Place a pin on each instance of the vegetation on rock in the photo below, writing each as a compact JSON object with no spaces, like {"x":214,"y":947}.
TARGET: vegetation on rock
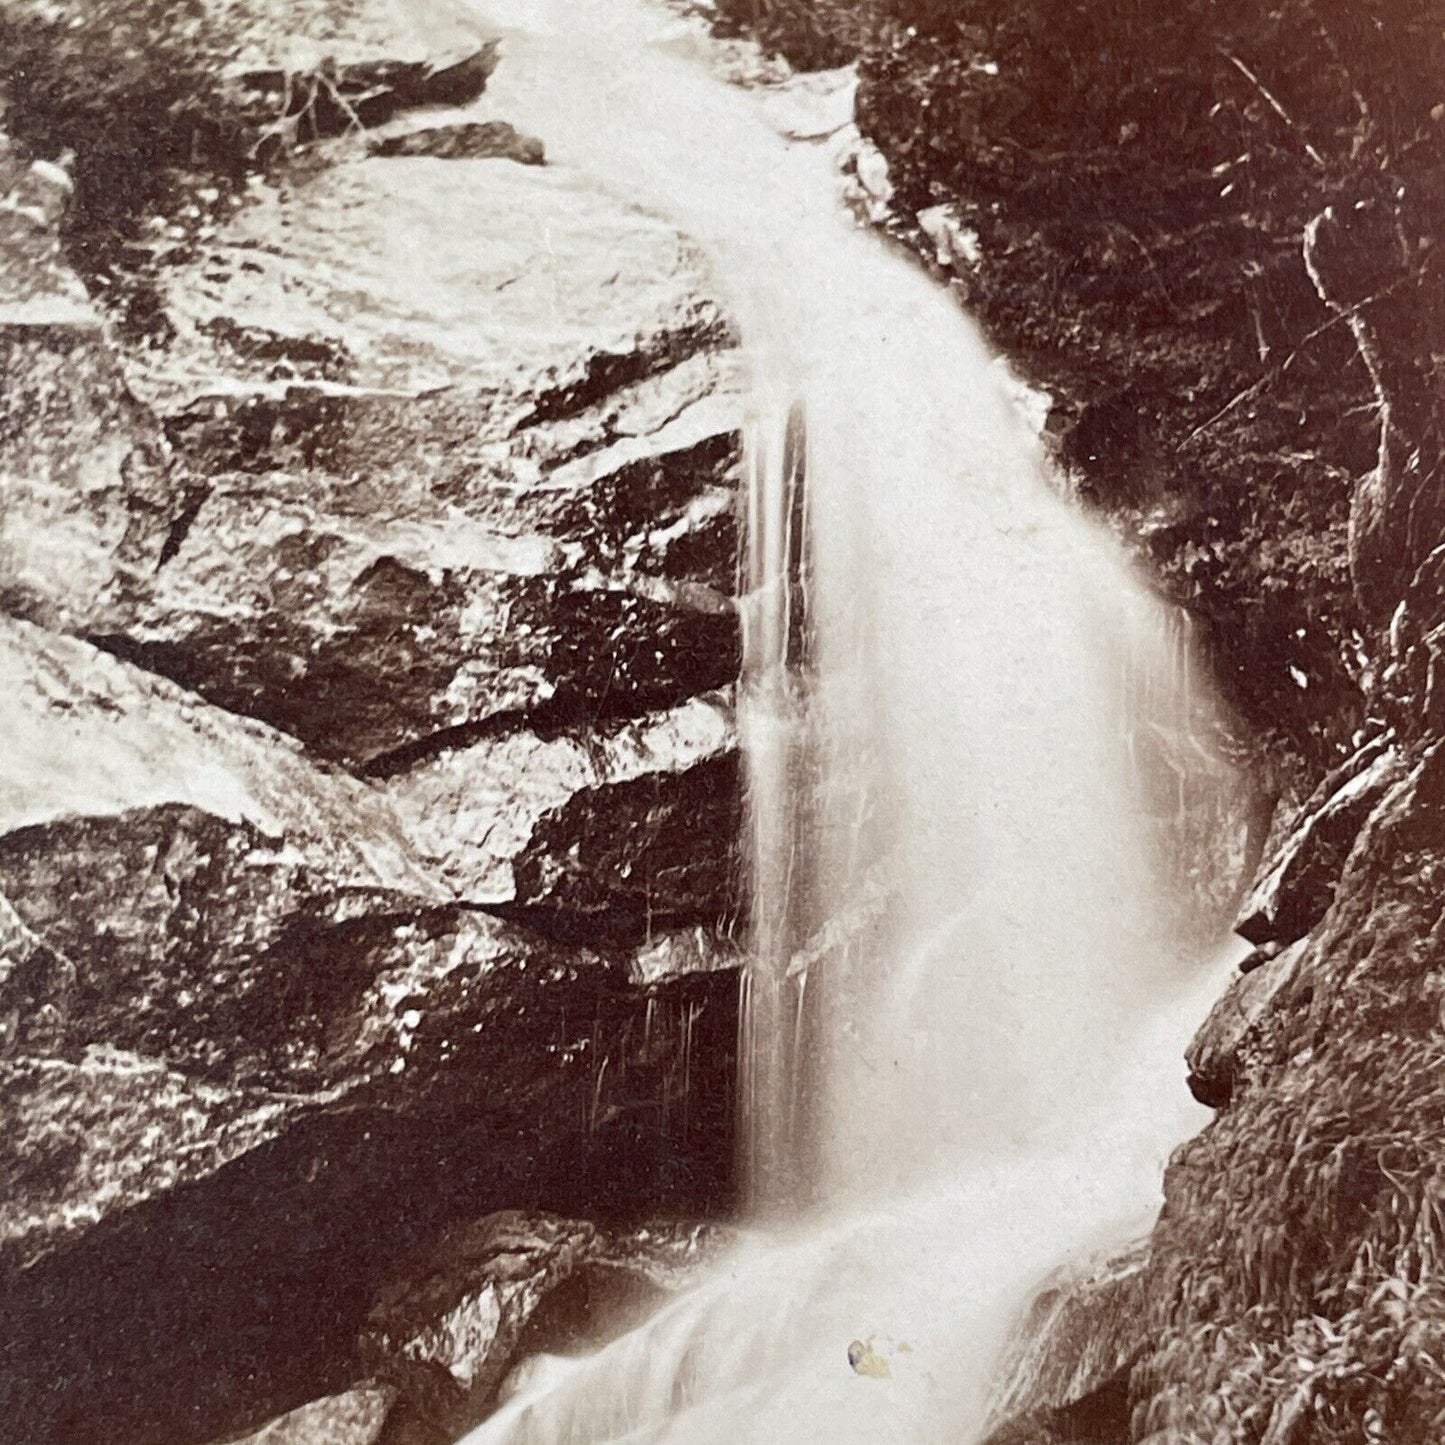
{"x":132,"y":92}
{"x":1148,"y":189}
{"x":1210,"y":228}
{"x":812,"y":34}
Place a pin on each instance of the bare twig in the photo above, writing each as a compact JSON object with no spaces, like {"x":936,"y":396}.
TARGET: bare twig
{"x":1341,"y":315}
{"x":355,"y":122}
{"x":1274,"y":105}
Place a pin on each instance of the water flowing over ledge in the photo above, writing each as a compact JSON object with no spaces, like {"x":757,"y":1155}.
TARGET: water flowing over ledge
{"x":964,"y":955}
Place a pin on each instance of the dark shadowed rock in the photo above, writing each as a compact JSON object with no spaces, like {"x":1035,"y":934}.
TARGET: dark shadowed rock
{"x":445,"y":1330}
{"x":200,"y":1252}
{"x":458,"y":80}
{"x":145,"y":893}
{"x":452,"y":1324}
{"x":1214,"y":1054}
{"x":1296,"y":885}
{"x":465,"y":141}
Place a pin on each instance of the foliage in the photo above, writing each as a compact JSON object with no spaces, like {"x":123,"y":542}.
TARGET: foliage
{"x":811,"y":34}
{"x":1140,"y":180}
{"x":1297,"y":1267}
{"x":133,"y":89}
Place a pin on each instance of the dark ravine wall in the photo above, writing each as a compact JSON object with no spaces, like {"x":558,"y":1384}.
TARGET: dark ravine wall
{"x":364,"y":673}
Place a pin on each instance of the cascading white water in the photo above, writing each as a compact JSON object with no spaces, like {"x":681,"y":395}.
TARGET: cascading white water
{"x":960,"y":1041}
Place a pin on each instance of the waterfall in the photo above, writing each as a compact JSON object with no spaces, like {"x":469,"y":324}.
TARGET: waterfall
{"x":965,"y":1008}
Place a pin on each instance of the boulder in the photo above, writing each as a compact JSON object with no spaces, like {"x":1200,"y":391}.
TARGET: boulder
{"x":453,"y":1323}
{"x":416,"y":272}
{"x":464,"y":141}
{"x":91,"y":738}
{"x":1297,"y":884}
{"x":374,"y":638}
{"x":1214,"y":1054}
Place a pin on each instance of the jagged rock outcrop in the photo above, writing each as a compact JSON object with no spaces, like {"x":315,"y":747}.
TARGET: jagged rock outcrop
{"x":363,"y":853}
{"x":356,"y":1417}
{"x":1296,"y":885}
{"x":596,"y":831}
{"x":450,"y":1326}
{"x":236,"y":997}
{"x":1216,"y":1053}
{"x":382,"y":535}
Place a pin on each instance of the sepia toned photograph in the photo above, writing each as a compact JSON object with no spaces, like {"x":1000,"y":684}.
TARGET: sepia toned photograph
{"x":722,"y":722}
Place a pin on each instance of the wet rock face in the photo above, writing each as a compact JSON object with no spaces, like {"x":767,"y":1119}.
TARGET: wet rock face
{"x":201,"y":1241}
{"x":365,"y":840}
{"x":450,"y":1327}
{"x":399,"y":516}
{"x":1065,"y":1379}
{"x":601,"y":833}
{"x":206,"y":914}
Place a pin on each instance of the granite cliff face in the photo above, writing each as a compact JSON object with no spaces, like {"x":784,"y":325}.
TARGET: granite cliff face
{"x":365,"y":839}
